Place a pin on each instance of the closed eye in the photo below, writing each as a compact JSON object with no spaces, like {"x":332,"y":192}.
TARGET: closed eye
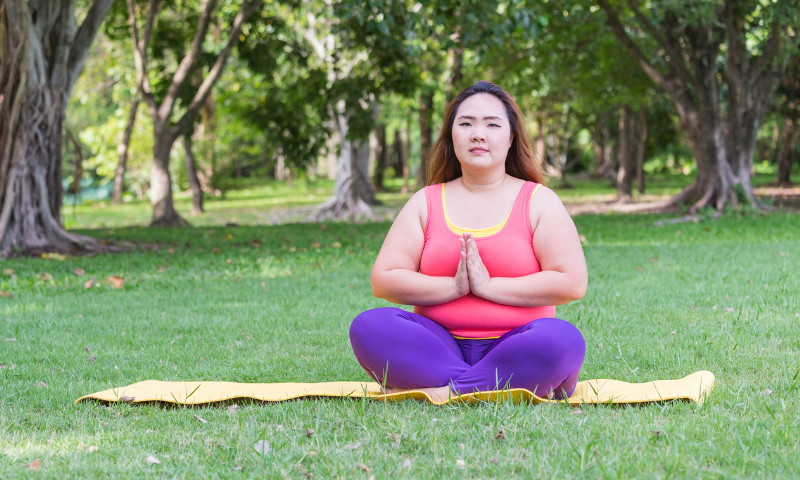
{"x":465,"y":124}
{"x":493,"y":125}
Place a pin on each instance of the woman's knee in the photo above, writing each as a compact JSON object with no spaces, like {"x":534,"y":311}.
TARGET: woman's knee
{"x":556,"y":336}
{"x":372,"y":322}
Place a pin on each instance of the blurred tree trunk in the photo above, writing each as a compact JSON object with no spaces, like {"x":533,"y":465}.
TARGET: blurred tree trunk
{"x":407,"y":154}
{"x":191,"y":172}
{"x":42,"y":52}
{"x":165,"y":132}
{"x":352,"y":194}
{"x":539,"y":148}
{"x":122,"y":155}
{"x":786,"y":152}
{"x":641,"y":149}
{"x":207,"y":133}
{"x":425,"y":134}
{"x":455,"y":61}
{"x":381,"y":158}
{"x":625,"y":168}
{"x":75,"y":187}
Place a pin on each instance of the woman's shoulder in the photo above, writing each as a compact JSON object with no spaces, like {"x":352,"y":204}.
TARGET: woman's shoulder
{"x":544,"y":201}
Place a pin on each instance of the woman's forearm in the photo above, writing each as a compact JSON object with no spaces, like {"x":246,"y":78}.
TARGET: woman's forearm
{"x":406,"y":287}
{"x":535,"y":290}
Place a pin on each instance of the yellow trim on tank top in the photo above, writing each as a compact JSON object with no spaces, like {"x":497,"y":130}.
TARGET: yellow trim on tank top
{"x":474,"y":338}
{"x":477,"y":232}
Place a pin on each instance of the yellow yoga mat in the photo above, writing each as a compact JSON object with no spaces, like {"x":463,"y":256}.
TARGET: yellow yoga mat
{"x":695,"y":387}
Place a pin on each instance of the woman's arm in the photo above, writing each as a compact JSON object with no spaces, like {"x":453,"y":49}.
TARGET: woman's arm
{"x":395,"y":274}
{"x":563,"y":278}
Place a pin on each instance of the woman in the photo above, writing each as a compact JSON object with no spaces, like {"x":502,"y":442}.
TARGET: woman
{"x":484,"y":253}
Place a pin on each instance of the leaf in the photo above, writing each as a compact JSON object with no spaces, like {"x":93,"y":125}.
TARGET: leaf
{"x":363,"y":467}
{"x":5,"y":294}
{"x":35,"y":465}
{"x":262,"y":447}
{"x":309,"y":433}
{"x":79,"y":272}
{"x":576,"y":411}
{"x":54,"y":256}
{"x":229,"y":261}
{"x":406,"y":463}
{"x":199,"y":419}
{"x":88,"y":284}
{"x":639,"y":268}
{"x":238,"y":343}
{"x":582,"y":239}
{"x":232,"y":409}
{"x":729,"y":309}
{"x":336,"y":245}
{"x":316,"y":245}
{"x":8,"y":271}
{"x":765,"y":392}
{"x":461,"y":463}
{"x":237,"y":280}
{"x":91,"y":359}
{"x":93,"y":448}
{"x":501,"y":435}
{"x":128,"y":399}
{"x":42,"y":385}
{"x":45,"y":276}
{"x":494,"y":460}
{"x":151,"y":460}
{"x":116,"y":282}
{"x":654,"y":259}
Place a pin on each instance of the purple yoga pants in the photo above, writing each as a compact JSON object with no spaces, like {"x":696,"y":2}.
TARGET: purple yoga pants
{"x":412,"y":351}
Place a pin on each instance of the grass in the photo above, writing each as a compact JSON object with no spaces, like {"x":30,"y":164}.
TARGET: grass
{"x":657,"y":307}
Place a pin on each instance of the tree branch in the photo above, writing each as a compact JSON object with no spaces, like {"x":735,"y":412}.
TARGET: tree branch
{"x":675,"y":57}
{"x":189,"y":61}
{"x":768,"y":55}
{"x":247,"y":9}
{"x":84,"y":38}
{"x":622,"y":35}
{"x":140,"y":52}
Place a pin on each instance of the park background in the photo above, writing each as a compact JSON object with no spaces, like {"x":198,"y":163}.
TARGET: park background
{"x":279,"y":140}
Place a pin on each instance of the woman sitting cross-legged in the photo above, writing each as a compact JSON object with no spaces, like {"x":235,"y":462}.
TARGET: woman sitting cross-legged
{"x":484,"y":252}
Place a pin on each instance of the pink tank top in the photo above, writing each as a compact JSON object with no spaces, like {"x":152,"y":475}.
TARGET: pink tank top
{"x":507,"y":253}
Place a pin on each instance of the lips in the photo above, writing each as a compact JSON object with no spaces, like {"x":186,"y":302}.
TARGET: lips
{"x":478,"y":150}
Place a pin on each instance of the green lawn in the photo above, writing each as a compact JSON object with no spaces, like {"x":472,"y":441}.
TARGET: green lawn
{"x":658,"y":306}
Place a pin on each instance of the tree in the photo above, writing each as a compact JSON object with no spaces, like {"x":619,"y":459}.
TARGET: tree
{"x":790,"y":110}
{"x":42,"y":52}
{"x":165,"y":132}
{"x":677,"y":45}
{"x":122,"y":153}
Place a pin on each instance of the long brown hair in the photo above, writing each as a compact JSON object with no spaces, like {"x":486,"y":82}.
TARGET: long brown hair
{"x":443,"y":165}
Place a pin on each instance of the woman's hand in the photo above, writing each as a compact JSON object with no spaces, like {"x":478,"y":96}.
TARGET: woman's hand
{"x":461,"y":280}
{"x":476,"y":271}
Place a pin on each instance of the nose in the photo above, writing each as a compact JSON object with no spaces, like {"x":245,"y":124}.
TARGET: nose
{"x":478,"y":135}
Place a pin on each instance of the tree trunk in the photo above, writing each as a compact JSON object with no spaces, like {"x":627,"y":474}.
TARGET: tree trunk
{"x":786,"y":152}
{"x":625,"y":168}
{"x":381,"y":158}
{"x":164,"y":213}
{"x":539,"y":150}
{"x":352,"y":195}
{"x":455,"y":61}
{"x":191,"y":172}
{"x":407,"y":155}
{"x":42,"y":52}
{"x":640,"y":152}
{"x":122,"y":154}
{"x":425,"y":135}
{"x":75,"y":188}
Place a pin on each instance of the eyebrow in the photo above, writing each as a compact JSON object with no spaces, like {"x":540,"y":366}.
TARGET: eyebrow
{"x":465,"y":117}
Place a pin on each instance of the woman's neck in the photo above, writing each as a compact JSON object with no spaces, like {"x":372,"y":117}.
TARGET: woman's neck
{"x":483,"y":182}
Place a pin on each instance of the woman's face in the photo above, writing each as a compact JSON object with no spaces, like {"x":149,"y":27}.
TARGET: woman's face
{"x":481,"y":132}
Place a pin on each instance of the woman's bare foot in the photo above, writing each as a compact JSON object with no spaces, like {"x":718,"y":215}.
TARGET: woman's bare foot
{"x":437,"y":394}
